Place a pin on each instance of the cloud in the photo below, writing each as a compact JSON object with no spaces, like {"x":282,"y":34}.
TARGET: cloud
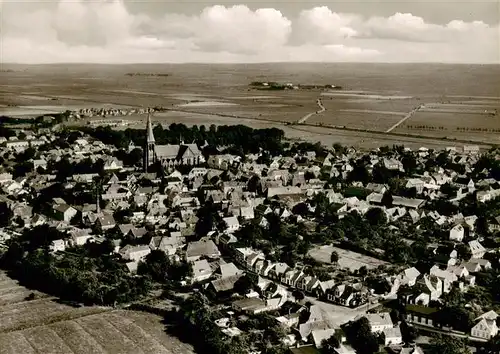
{"x":107,"y":31}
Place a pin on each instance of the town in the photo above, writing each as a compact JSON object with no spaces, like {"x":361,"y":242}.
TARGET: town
{"x":252,"y":243}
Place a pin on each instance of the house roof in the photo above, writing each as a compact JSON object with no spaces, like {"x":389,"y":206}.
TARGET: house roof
{"x":490,"y":315}
{"x":229,"y":269}
{"x":201,"y":267}
{"x":63,"y":208}
{"x":203,"y":247}
{"x":106,"y":219}
{"x":225,"y":284}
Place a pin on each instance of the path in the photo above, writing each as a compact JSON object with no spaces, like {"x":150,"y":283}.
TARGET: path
{"x":408,"y":116}
{"x":309,"y":115}
{"x":447,"y":333}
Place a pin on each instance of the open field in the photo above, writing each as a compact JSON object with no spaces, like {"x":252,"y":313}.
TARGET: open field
{"x":347,"y":259}
{"x":46,"y":326}
{"x":374,"y":96}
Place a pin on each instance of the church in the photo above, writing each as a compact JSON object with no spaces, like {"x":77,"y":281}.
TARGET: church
{"x":169,"y":155}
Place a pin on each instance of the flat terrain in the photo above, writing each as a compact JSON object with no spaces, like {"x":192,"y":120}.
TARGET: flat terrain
{"x":460,"y":101}
{"x":347,"y":259}
{"x":45,"y":326}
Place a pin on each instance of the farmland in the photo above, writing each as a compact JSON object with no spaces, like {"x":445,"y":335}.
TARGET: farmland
{"x":43,"y":325}
{"x":374,"y":98}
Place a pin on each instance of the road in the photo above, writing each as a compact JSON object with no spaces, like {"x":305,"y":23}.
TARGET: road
{"x":307,"y":116}
{"x":408,"y":116}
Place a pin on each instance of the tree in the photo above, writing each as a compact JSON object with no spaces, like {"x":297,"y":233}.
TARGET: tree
{"x":376,"y":216}
{"x":244,"y":285}
{"x":441,"y":344}
{"x":329,"y":346}
{"x":5,"y":214}
{"x":156,"y":265}
{"x":334,"y":257}
{"x":387,"y":199}
{"x":408,"y":333}
{"x":298,"y":295}
{"x":360,"y":336}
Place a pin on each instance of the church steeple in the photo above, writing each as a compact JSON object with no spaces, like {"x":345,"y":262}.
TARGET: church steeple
{"x":149,"y":149}
{"x":149,"y":127}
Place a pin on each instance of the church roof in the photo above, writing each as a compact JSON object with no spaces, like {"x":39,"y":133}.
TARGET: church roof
{"x":149,"y":128}
{"x":167,"y":151}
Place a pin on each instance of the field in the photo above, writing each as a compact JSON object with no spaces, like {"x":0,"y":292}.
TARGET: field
{"x":374,"y":98}
{"x":347,"y":259}
{"x":46,"y":326}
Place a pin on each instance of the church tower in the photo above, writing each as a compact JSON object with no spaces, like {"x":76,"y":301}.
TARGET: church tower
{"x":149,"y":149}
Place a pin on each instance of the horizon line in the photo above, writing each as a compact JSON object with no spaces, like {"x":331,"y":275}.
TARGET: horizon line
{"x":256,"y":63}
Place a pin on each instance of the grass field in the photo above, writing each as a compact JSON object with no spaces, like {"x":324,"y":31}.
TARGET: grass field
{"x":347,"y":259}
{"x":45,"y":326}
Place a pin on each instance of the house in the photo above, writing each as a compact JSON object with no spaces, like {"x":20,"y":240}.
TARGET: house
{"x":64,"y":212}
{"x":416,"y":183}
{"x":409,"y":276}
{"x":105,"y":221}
{"x":392,"y":336}
{"x":486,"y":326}
{"x":112,"y":164}
{"x":393,"y":164}
{"x":247,"y":213}
{"x":413,"y":350}
{"x":202,"y":248}
{"x":421,"y":315}
{"x":80,"y":237}
{"x":134,"y":253}
{"x":232,"y":223}
{"x":167,"y":244}
{"x":224,"y":285}
{"x":344,"y":349}
{"x":494,"y":225}
{"x":201,"y":271}
{"x":477,"y":250}
{"x":249,"y":305}
{"x":57,"y":245}
{"x":457,"y":233}
{"x":378,"y":321}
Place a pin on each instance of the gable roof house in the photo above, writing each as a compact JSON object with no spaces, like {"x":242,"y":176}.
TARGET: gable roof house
{"x":457,"y":233}
{"x":486,"y":326}
{"x":201,"y":271}
{"x":202,"y":248}
{"x":477,"y":249}
{"x":105,"y":221}
{"x":135,"y":253}
{"x":64,"y":212}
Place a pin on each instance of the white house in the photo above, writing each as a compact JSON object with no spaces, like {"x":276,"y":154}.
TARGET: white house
{"x":57,"y":245}
{"x":486,"y":327}
{"x":379,"y":321}
{"x":232,"y":223}
{"x":457,"y":233}
{"x":476,"y":249}
{"x":393,"y":336}
{"x":201,"y":270}
{"x":135,"y":253}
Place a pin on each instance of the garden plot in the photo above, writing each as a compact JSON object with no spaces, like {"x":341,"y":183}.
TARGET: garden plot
{"x":347,"y":259}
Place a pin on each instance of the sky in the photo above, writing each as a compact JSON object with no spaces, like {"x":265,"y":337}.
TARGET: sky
{"x":170,"y":31}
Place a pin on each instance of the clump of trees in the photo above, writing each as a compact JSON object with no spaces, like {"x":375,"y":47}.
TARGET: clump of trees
{"x":79,"y":274}
{"x":245,"y":139}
